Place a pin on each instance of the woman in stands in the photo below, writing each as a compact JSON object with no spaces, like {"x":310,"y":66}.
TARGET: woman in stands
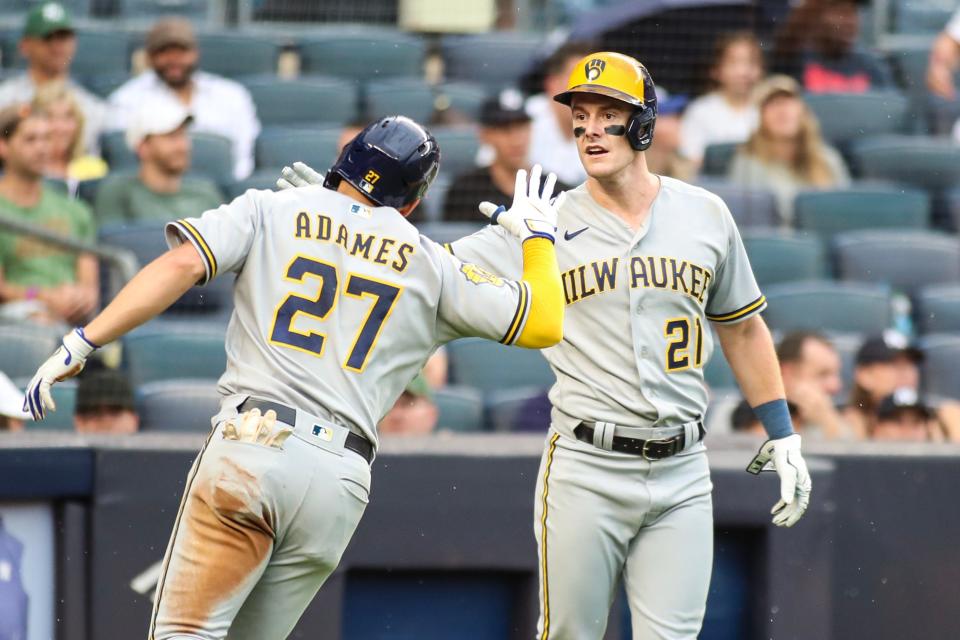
{"x":726,"y":114}
{"x":786,"y":154}
{"x":69,"y":160}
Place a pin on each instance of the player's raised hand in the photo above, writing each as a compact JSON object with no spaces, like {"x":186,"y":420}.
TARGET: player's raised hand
{"x":66,"y":362}
{"x":533,"y":213}
{"x":299,"y":175}
{"x":795,"y":483}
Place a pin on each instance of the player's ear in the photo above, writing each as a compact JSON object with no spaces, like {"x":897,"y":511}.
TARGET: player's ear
{"x":406,"y":210}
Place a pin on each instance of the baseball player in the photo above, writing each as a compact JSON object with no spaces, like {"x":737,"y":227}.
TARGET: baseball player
{"x":648,"y":265}
{"x":339,"y":302}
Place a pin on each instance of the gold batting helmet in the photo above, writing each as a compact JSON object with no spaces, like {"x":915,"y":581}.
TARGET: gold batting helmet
{"x":622,"y":78}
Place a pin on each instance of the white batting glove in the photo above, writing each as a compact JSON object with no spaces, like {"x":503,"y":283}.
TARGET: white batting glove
{"x":783,"y":455}
{"x":300,"y":175}
{"x":533,"y":214}
{"x":66,"y":362}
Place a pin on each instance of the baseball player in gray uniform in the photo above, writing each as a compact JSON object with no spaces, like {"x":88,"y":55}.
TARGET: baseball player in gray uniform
{"x":339,"y":302}
{"x":649,"y":264}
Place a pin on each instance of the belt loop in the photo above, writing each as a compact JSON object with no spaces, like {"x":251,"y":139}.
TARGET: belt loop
{"x":691,"y":434}
{"x":603,"y":435}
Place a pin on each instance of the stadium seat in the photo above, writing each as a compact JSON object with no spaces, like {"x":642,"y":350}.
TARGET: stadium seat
{"x":921,"y":18}
{"x":904,"y":260}
{"x":750,"y":207}
{"x":937,"y":309}
{"x":184,"y":405}
{"x":717,"y":159}
{"x":432,"y":204}
{"x":196,"y":10}
{"x":146,"y":240}
{"x":458,"y":148}
{"x":65,"y":397}
{"x":847,"y":345}
{"x":939,"y":372}
{"x":103,"y":84}
{"x":279,"y":146}
{"x":464,"y":97}
{"x":870,"y":207}
{"x":448,"y":231}
{"x":101,"y":52}
{"x":411,"y":97}
{"x":24,"y":347}
{"x":460,"y":408}
{"x":361,"y":53}
{"x":952,"y":202}
{"x":719,"y":417}
{"x":266,"y":179}
{"x":306,"y":102}
{"x":845,"y":116}
{"x":197,"y":352}
{"x":782,"y":256}
{"x":496,"y":59}
{"x":927,"y":163}
{"x":717,"y":373}
{"x":522,"y":409}
{"x":825,"y":305}
{"x":489,"y":366}
{"x":233,"y":55}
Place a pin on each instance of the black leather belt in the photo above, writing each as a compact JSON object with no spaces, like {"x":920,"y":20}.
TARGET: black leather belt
{"x":355,"y":442}
{"x":649,"y":449}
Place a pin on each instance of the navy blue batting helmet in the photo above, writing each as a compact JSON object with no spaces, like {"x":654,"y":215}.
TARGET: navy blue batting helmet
{"x":393,"y":162}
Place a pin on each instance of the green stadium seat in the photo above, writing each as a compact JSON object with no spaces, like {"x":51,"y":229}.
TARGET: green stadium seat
{"x":266,"y":179}
{"x":196,"y":351}
{"x":927,"y":163}
{"x":196,"y":10}
{"x":281,"y":146}
{"x":24,"y":347}
{"x":921,"y":18}
{"x":460,"y":408}
{"x":717,"y":372}
{"x":432,"y":205}
{"x":870,"y":207}
{"x":783,"y":256}
{"x":458,"y":148}
{"x":307,"y":102}
{"x":65,"y":397}
{"x":937,"y":309}
{"x":411,"y":97}
{"x":103,"y":84}
{"x":904,"y":260}
{"x":181,"y":405}
{"x":717,"y":159}
{"x":362,"y":53}
{"x":496,"y":59}
{"x":939,"y":371}
{"x":490,"y":366}
{"x":847,"y":307}
{"x":509,"y":408}
{"x":464,"y":97}
{"x":952,"y":203}
{"x":846,"y":116}
{"x":234,"y":55}
{"x":750,"y":207}
{"x":101,"y":52}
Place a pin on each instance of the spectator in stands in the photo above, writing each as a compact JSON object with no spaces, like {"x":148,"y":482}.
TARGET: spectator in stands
{"x":49,"y":43}
{"x":39,"y":281}
{"x":903,"y":416}
{"x":504,"y":127}
{"x":818,"y":46}
{"x":552,"y":144}
{"x":945,"y":60}
{"x":744,"y":420}
{"x":159,"y":191}
{"x":105,"y":403}
{"x":69,"y":159}
{"x":727,"y":113}
{"x":810,"y":366}
{"x":219,"y":105}
{"x":12,"y":415}
{"x":663,"y":156}
{"x":414,"y":412}
{"x":786,"y":153}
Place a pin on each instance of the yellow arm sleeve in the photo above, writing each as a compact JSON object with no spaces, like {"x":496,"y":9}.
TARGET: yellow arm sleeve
{"x":544,"y":326}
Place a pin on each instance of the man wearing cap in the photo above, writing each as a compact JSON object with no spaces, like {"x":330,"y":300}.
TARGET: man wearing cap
{"x":218,"y":105}
{"x":414,"y":412}
{"x":49,"y":43}
{"x":505,"y":128}
{"x":159,"y":192}
{"x":105,"y":403}
{"x":903,"y":416}
{"x":38,"y":281}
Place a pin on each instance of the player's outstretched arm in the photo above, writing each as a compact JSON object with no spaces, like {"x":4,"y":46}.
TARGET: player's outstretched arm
{"x":149,"y":293}
{"x":749,"y":349}
{"x":532,"y":218}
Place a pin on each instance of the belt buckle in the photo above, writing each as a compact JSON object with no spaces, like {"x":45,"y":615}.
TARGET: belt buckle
{"x":645,"y":452}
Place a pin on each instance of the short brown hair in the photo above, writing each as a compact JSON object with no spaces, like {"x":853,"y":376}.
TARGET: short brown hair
{"x":557,"y":60}
{"x":790,"y":348}
{"x":11,"y":117}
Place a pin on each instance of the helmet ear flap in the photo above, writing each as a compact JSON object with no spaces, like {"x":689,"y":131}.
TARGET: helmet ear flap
{"x":640,"y":128}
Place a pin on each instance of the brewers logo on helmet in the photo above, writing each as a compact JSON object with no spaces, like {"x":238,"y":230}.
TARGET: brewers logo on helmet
{"x":622,"y":78}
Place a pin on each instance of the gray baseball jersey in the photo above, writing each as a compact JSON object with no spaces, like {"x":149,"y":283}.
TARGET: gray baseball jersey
{"x":338,"y":305}
{"x":684,"y":266}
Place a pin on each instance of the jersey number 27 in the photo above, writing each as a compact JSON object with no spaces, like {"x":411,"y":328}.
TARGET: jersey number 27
{"x":284,"y":334}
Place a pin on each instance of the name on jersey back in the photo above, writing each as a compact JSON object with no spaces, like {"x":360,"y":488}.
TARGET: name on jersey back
{"x":381,"y":250}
